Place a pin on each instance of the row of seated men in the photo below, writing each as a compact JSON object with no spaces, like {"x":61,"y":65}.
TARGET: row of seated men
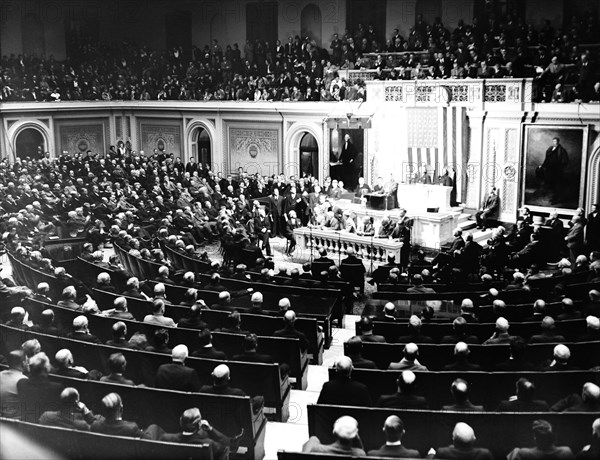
{"x":464,"y":443}
{"x":344,"y":391}
{"x":26,"y":383}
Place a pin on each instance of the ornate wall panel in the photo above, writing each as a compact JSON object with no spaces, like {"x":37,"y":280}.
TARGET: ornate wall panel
{"x":254,"y":149}
{"x":510,"y":175}
{"x":161,"y":135}
{"x":80,"y":136}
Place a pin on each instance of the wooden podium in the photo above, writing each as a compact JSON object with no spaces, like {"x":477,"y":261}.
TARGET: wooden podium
{"x":418,"y":198}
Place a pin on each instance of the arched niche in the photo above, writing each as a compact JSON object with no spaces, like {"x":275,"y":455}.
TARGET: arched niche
{"x":15,"y":133}
{"x":593,"y":175}
{"x":199,"y":134}
{"x":292,"y":145}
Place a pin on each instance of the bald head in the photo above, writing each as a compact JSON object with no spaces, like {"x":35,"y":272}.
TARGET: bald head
{"x":284,"y":304}
{"x":591,"y":393}
{"x":501,"y":324}
{"x":411,"y":351}
{"x":461,"y":349}
{"x":290,"y":316}
{"x":389,"y":309}
{"x":345,"y":428}
{"x":393,"y":428}
{"x":463,"y":435}
{"x":343,"y":366}
{"x":179,"y":353}
{"x":221,"y":374}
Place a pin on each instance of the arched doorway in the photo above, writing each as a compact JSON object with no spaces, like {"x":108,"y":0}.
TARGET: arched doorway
{"x":30,"y":143}
{"x":309,"y":155}
{"x":201,"y":146}
{"x":310,"y":23}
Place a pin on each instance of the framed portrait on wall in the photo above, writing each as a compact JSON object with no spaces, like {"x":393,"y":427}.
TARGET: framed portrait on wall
{"x":554,"y":163}
{"x":346,"y":145}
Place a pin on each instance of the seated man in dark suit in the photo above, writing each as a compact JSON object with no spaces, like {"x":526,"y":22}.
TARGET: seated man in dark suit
{"x":120,"y":310}
{"x":220,"y":386}
{"x":568,"y":310}
{"x":81,"y":331}
{"x":234,"y":324}
{"x":389,"y":313}
{"x":548,"y":334}
{"x":415,"y":336}
{"x":501,"y":333}
{"x":409,"y":360}
{"x":460,"y":333}
{"x":516,"y":362}
{"x":418,"y":287}
{"x":205,"y":347}
{"x":290,"y":330}
{"x":345,"y":430}
{"x":119,"y":330}
{"x":194,"y":318}
{"x":460,"y":393}
{"x":544,"y":445}
{"x":354,"y":350}
{"x":112,"y":423}
{"x":133,"y":289}
{"x":393,"y":430}
{"x":64,"y":365}
{"x":36,"y":393}
{"x":71,"y":414}
{"x":560,"y":360}
{"x":592,"y":330}
{"x":195,"y":430}
{"x":46,"y":324}
{"x":175,"y":375}
{"x":523,"y":401}
{"x":366,"y":329}
{"x":461,"y":359}
{"x":117,"y":365}
{"x":405,"y":397}
{"x":463,"y":446}
{"x":589,"y":401}
{"x":322,"y":261}
{"x":250,"y":354}
{"x":343,"y":390}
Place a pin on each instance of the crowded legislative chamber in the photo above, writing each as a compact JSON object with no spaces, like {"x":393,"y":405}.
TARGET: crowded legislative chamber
{"x":256,"y":229}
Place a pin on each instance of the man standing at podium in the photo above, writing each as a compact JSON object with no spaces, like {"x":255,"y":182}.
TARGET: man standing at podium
{"x":348,"y":157}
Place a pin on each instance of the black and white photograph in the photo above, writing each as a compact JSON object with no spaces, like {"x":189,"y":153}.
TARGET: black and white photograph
{"x":299,"y":229}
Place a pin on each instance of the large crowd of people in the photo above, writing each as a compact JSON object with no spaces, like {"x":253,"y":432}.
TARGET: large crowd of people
{"x":564,"y":67}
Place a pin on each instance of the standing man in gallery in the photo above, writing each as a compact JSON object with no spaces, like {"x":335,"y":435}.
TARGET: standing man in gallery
{"x":554,"y":166}
{"x":348,"y":159}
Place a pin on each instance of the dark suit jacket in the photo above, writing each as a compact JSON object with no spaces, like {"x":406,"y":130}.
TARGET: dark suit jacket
{"x":358,"y":362}
{"x":471,"y":453}
{"x":293,"y":333}
{"x":462,"y":366}
{"x":345,"y":392}
{"x":523,"y":406}
{"x":37,"y":396}
{"x":467,"y":406}
{"x":176,"y":376}
{"x":459,"y":338}
{"x":209,"y":353}
{"x":116,"y":428}
{"x":575,"y":236}
{"x":253,"y":357}
{"x":372,"y":338}
{"x":222,"y":390}
{"x":402,"y":401}
{"x":394,"y":451}
{"x":83,"y":337}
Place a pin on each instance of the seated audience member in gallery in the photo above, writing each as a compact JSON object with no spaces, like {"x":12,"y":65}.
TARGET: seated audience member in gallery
{"x":415,"y":335}
{"x":176,"y":375}
{"x":463,"y":446}
{"x":354,"y":352}
{"x":460,"y":393}
{"x":592,"y":330}
{"x":289,"y":329}
{"x":342,"y":390}
{"x":561,"y":360}
{"x":205,"y":347}
{"x":65,"y":366}
{"x":112,"y":422}
{"x":516,"y":361}
{"x":461,"y":359}
{"x":120,"y":310}
{"x":194,"y":318}
{"x":393,"y":430}
{"x":117,"y":364}
{"x":345,"y":431}
{"x":459,"y":325}
{"x":366,"y":329}
{"x":250,"y":354}
{"x":195,"y":430}
{"x":543,"y":436}
{"x":548,"y":333}
{"x":81,"y":331}
{"x":9,"y":397}
{"x":161,"y":342}
{"x":592,"y":450}
{"x":588,"y":401}
{"x":405,"y":397}
{"x":523,"y":401}
{"x":157,"y":317}
{"x":501,"y":334}
{"x":221,"y":377}
{"x":72,"y":413}
{"x":409,"y":360}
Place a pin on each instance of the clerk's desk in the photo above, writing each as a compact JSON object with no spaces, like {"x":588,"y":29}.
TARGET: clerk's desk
{"x":417,"y":198}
